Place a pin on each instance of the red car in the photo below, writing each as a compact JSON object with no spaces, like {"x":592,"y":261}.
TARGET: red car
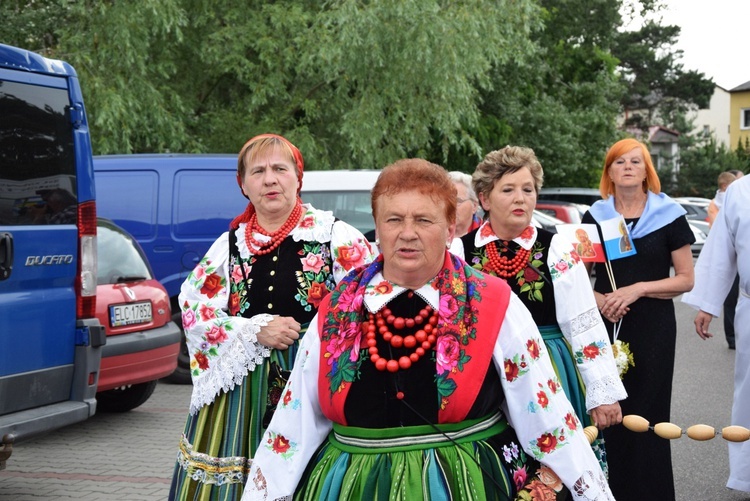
{"x":142,"y":341}
{"x":564,"y":211}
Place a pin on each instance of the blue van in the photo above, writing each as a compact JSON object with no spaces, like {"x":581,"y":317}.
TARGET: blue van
{"x":176,"y":205}
{"x":50,"y":340}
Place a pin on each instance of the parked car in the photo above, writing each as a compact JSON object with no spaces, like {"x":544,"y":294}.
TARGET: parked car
{"x":567,"y":212}
{"x":697,"y":208}
{"x":585,"y":196}
{"x":700,"y":232}
{"x":542,"y":220}
{"x":142,"y":341}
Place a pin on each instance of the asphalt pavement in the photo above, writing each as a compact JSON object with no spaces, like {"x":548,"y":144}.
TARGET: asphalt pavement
{"x":130,"y":456}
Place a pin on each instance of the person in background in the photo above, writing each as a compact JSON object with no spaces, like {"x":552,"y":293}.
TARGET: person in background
{"x":466,"y":210}
{"x":548,"y":276}
{"x":408,"y":378}
{"x":724,"y":180}
{"x":640,"y":464}
{"x":730,"y":303}
{"x":245,"y":307}
{"x":727,"y":251}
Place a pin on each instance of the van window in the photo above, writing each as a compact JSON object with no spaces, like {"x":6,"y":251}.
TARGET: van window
{"x":197,"y":214}
{"x":37,"y":160}
{"x":141,"y":188}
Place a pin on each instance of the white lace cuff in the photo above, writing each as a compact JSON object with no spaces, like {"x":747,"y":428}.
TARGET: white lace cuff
{"x":604,"y":391}
{"x":592,"y":486}
{"x":243,"y":354}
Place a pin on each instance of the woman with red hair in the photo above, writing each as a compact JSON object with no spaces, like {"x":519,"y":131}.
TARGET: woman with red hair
{"x":245,"y":307}
{"x":640,"y":301}
{"x":411,"y":373}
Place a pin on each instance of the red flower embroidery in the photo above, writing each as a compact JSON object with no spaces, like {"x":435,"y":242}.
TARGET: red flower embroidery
{"x":542,"y":399}
{"x":533,"y":348}
{"x":526,"y":234}
{"x":202,"y":360}
{"x":486,"y":231}
{"x":511,"y":370}
{"x":287,"y":397}
{"x":546,"y":443}
{"x":351,"y":256}
{"x":316,"y":293}
{"x":212,"y":285}
{"x":531,"y":275}
{"x":383,"y":287}
{"x":571,"y":421}
{"x":234,"y":304}
{"x":280,"y":444}
{"x":591,"y":351}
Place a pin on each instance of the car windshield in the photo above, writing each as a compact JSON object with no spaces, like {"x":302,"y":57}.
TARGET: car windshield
{"x":119,"y":257}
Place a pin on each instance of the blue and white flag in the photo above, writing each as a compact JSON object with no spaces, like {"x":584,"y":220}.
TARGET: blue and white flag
{"x":617,"y":240}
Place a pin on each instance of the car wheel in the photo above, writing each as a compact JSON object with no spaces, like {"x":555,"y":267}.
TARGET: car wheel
{"x":181,"y":374}
{"x":125,"y":398}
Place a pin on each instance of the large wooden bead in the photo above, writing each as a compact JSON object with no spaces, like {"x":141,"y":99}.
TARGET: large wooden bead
{"x":667,"y":430}
{"x":591,"y":433}
{"x":701,"y":432}
{"x":634,"y":422}
{"x":735,"y":433}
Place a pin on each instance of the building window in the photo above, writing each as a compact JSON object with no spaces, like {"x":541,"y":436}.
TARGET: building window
{"x":745,"y":118}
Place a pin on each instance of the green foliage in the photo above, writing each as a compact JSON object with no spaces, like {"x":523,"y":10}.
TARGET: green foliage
{"x":700,"y":167}
{"x":359,"y":84}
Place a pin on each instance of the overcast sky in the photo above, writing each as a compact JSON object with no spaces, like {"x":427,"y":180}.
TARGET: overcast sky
{"x":714,"y":37}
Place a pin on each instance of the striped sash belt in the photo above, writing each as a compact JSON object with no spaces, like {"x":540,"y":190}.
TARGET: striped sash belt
{"x":550,"y":332}
{"x":406,"y":438}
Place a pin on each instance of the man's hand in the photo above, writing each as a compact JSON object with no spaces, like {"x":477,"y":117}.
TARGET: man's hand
{"x":702,"y":321}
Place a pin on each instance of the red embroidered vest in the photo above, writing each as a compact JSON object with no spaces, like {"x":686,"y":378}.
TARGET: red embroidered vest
{"x":491,"y":307}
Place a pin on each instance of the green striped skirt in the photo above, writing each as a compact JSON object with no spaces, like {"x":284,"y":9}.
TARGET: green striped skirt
{"x":481,"y":461}
{"x":219,"y":441}
{"x":565,"y":369}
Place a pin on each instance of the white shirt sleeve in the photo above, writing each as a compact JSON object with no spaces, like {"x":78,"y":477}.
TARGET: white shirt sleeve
{"x":537,"y":408}
{"x":581,"y":324}
{"x":296,"y":431}
{"x":223,"y":347}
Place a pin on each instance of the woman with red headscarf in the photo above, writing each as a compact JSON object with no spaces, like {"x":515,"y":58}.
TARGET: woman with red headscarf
{"x":245,"y":308}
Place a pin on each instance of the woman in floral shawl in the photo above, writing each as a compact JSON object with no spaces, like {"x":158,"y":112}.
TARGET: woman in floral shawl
{"x":409,"y":375}
{"x":546,"y":273}
{"x":245,"y":307}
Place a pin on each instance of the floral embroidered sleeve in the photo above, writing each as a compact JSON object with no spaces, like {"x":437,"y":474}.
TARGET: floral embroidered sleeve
{"x":222,"y":348}
{"x":283,"y":454}
{"x":349,"y":249}
{"x":582,"y":326}
{"x":537,"y":408}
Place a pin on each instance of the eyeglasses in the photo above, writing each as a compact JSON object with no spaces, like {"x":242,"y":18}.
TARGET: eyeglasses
{"x":462,"y":200}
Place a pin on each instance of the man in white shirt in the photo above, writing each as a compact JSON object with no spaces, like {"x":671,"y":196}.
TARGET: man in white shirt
{"x":727,"y":251}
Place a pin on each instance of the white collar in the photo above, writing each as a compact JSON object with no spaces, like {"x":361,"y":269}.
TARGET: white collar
{"x":380,"y":292}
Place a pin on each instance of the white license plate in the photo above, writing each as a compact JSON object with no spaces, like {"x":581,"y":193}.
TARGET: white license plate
{"x":129,"y":314}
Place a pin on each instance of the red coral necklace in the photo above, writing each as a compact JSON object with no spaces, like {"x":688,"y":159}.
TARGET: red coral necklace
{"x":260,"y":248}
{"x":501,"y":265}
{"x":422,"y":340}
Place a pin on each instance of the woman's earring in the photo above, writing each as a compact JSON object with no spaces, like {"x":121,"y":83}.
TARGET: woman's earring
{"x":377,"y":242}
